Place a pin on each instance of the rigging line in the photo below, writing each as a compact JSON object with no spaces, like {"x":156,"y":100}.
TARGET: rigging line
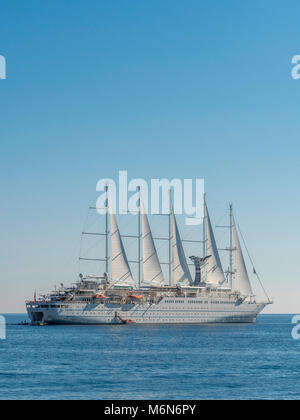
{"x":130,"y":244}
{"x":160,"y":246}
{"x":81,"y":239}
{"x":220,"y":220}
{"x":91,"y":224}
{"x":187,"y":232}
{"x":80,"y":251}
{"x":221,"y":237}
{"x":157,"y":226}
{"x":91,"y":247}
{"x":130,"y":222}
{"x":258,"y":277}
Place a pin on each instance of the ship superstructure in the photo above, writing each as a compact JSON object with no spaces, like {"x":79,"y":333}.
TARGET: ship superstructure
{"x":116,"y":297}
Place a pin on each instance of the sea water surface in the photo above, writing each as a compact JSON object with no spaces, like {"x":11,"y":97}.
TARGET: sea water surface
{"x":250,"y":361}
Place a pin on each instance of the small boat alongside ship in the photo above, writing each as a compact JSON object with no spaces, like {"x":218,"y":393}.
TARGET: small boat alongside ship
{"x":23,"y":324}
{"x":212,"y":296}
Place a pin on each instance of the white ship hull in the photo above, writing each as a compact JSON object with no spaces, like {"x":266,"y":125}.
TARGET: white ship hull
{"x":168,"y":311}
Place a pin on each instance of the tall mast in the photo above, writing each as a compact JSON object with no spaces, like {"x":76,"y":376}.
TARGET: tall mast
{"x":106,"y":232}
{"x":139,"y":238}
{"x":204,"y":229}
{"x":231,"y":247}
{"x":203,"y":274}
{"x":170,"y":240}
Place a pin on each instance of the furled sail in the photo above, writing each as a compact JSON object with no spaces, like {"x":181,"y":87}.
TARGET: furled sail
{"x":152,"y":272}
{"x":214,"y":270}
{"x":121,"y":272}
{"x":242,"y":281}
{"x":181,"y":272}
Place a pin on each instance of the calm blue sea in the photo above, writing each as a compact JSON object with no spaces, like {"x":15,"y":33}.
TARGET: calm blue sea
{"x":259,"y":361}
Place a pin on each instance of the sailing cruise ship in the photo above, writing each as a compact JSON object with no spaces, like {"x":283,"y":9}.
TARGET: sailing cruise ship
{"x":212,"y":296}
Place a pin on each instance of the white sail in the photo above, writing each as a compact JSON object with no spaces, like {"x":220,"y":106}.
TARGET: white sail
{"x":181,"y":272}
{"x":121,"y":272}
{"x":152,"y":272}
{"x":242,"y":281}
{"x":214,"y":270}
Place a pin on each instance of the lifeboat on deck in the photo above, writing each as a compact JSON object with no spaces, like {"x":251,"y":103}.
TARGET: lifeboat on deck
{"x":99,"y":297}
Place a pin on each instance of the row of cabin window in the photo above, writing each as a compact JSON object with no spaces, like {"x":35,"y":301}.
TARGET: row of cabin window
{"x":200,"y":302}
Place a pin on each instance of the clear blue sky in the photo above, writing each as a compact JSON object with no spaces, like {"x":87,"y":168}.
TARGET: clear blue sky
{"x":162,"y":89}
